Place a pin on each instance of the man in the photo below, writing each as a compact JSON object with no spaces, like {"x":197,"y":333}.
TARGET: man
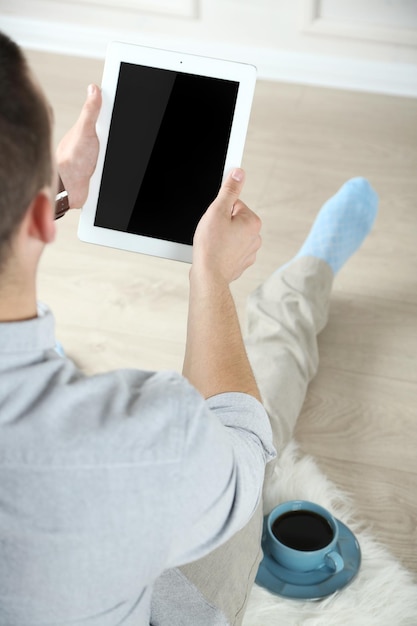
{"x":134,"y":497}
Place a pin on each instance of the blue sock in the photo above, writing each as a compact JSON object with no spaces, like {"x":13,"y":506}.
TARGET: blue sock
{"x":342,"y":224}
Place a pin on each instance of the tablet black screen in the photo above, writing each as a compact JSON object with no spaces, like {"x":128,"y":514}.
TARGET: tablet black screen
{"x":166,"y":151}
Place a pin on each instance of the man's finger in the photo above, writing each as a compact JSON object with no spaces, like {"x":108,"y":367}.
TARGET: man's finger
{"x":232,"y":187}
{"x":91,"y":108}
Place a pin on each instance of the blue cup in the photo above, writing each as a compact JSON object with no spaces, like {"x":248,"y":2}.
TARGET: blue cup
{"x":302,"y":536}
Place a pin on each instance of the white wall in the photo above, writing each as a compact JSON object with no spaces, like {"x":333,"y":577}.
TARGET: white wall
{"x":357,"y":44}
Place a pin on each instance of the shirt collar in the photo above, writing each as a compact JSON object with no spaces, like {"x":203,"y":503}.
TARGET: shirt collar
{"x":32,"y":335}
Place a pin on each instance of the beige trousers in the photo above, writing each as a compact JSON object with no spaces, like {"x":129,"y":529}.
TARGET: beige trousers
{"x":285,"y":315}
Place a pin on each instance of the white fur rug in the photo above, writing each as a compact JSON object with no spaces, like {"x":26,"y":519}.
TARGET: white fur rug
{"x":382,"y":594}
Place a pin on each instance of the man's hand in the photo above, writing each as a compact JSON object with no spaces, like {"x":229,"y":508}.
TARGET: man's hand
{"x":227,"y":237}
{"x":78,"y":151}
{"x":225,"y":243}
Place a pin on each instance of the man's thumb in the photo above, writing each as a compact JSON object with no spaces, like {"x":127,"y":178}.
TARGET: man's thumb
{"x":92,"y":105}
{"x":232,"y":186}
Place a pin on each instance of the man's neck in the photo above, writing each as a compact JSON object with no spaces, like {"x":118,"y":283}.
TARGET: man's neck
{"x":21,"y":257}
{"x":17,"y":300}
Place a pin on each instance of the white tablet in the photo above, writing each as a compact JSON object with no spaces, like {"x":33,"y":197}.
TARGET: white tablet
{"x":172,"y":125}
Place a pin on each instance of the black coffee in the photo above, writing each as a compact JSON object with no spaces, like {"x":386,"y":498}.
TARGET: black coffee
{"x":303,"y":530}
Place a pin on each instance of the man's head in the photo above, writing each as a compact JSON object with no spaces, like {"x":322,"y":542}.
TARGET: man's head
{"x":26,"y":165}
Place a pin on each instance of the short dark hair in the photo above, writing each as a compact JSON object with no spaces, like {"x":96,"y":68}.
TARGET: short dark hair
{"x":25,"y":141}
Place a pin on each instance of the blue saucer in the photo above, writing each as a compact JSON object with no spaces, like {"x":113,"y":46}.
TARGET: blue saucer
{"x":310,"y":585}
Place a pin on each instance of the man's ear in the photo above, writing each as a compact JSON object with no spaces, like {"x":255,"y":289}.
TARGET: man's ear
{"x":39,"y":218}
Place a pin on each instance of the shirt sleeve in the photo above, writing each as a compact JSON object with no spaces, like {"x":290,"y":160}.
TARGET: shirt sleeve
{"x":228,"y":444}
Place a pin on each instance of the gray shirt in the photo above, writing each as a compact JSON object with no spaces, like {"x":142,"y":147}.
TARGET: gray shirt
{"x":108,"y":480}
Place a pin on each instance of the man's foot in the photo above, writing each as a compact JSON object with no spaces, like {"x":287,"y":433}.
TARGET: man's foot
{"x":342,"y":224}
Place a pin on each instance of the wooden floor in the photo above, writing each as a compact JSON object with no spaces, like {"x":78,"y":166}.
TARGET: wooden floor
{"x":116,"y":309}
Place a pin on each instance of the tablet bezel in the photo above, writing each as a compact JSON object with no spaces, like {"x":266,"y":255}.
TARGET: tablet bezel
{"x":117,"y":53}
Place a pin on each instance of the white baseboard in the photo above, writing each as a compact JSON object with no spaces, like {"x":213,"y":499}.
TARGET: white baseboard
{"x":398,"y":79}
